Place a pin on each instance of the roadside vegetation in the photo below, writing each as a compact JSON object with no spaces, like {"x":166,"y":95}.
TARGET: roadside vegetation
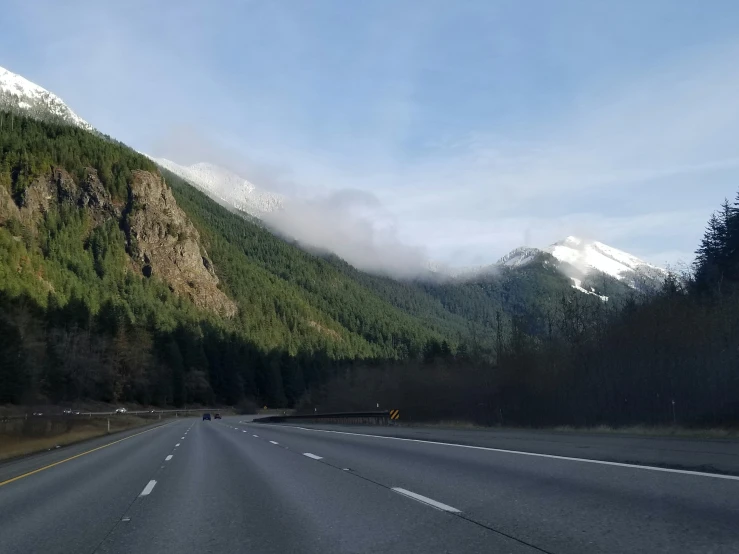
{"x":19,"y":437}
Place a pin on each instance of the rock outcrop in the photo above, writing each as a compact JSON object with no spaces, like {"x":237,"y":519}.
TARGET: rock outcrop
{"x":51,"y":190}
{"x":8,"y":209}
{"x":164,"y":243}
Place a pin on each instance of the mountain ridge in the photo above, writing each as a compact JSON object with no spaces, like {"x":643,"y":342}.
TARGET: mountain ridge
{"x":225,"y":186}
{"x":579,"y":258}
{"x":19,"y":94}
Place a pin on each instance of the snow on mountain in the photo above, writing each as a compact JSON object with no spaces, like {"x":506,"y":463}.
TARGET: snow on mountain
{"x":18,"y":93}
{"x":226,"y":186}
{"x":587,"y":256}
{"x":519,"y":256}
{"x":581,"y":258}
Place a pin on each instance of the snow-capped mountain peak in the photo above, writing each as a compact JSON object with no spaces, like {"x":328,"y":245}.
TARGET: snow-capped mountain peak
{"x":579,"y":258}
{"x":519,"y":256}
{"x":19,"y":94}
{"x":587,"y":256}
{"x":226,"y":186}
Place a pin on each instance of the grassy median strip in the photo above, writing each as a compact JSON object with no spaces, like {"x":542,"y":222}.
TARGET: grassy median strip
{"x":37,"y":434}
{"x":65,"y":460}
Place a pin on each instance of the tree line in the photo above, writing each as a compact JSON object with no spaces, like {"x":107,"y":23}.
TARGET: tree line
{"x":520,"y":347}
{"x":669,"y":359}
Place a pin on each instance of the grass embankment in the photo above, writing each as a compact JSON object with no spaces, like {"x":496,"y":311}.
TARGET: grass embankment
{"x":656,"y":431}
{"x":631,"y":430}
{"x":19,"y":437}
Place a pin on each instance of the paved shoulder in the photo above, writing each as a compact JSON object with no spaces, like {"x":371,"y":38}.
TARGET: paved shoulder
{"x":721,"y":456}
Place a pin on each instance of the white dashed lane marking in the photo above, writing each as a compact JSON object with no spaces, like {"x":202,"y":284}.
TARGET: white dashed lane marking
{"x":313,"y":456}
{"x":427,"y":500}
{"x":148,"y":488}
{"x":535,"y":455}
{"x":176,"y":445}
{"x":274,"y":442}
{"x":168,"y":458}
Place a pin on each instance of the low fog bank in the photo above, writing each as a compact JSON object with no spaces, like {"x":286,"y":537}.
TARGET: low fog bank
{"x":354,"y":226}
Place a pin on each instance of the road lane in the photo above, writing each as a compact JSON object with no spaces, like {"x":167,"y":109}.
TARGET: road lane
{"x":228,"y":487}
{"x":711,"y":455}
{"x":558,"y":505}
{"x":70,"y":507}
{"x":233,"y":492}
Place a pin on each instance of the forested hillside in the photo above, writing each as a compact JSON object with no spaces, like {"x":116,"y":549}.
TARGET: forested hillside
{"x":120,"y":284}
{"x":95,"y":306}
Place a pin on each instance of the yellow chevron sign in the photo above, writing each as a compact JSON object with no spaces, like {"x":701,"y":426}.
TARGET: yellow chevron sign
{"x":394,"y":414}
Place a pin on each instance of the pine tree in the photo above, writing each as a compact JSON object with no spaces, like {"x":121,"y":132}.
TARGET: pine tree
{"x":707,"y":264}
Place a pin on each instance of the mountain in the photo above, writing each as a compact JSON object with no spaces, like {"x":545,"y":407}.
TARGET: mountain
{"x":519,"y":256}
{"x":581,"y":259}
{"x":140,"y":287}
{"x":19,"y":95}
{"x":226,"y":187}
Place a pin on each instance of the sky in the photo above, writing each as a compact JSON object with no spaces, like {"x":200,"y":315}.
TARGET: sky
{"x":444,"y":130}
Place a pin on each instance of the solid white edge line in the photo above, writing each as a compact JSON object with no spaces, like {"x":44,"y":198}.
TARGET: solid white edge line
{"x":426,"y":500}
{"x":535,"y":454}
{"x":274,"y":442}
{"x":148,"y":488}
{"x":168,"y":458}
{"x":313,"y":456}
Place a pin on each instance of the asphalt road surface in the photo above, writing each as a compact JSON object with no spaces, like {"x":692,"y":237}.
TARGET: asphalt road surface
{"x":229,"y":485}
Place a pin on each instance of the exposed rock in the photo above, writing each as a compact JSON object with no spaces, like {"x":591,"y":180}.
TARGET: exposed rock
{"x":58,"y":187}
{"x":94,"y":196}
{"x":37,"y":199}
{"x":166,"y":244}
{"x":325,"y":330}
{"x":163,"y":243}
{"x":8,"y":209}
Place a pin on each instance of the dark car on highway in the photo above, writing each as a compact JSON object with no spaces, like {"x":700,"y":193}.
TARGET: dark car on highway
{"x":206,"y":416}
{"x":218,"y":416}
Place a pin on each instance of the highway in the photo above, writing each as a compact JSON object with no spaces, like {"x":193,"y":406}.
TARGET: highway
{"x":231,"y":485}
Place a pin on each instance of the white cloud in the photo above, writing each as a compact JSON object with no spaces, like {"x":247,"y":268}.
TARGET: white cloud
{"x":467,"y":196}
{"x":676,"y":126}
{"x":353,"y":225}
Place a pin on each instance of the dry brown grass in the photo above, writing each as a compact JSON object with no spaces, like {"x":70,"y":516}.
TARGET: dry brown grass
{"x":637,"y":430}
{"x":19,"y":439}
{"x":655,"y":431}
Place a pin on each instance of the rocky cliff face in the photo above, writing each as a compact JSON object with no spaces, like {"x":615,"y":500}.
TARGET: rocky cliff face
{"x":162,"y":242}
{"x":166,"y":244}
{"x":49,"y":191}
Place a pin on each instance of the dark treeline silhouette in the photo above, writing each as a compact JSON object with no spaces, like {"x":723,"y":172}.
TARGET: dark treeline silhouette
{"x":672,"y":359}
{"x":65,"y":354}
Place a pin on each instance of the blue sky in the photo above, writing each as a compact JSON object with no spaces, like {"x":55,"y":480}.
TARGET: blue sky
{"x":460,"y":129}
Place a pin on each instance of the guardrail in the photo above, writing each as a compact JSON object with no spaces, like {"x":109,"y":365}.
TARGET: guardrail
{"x":367,"y":418}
